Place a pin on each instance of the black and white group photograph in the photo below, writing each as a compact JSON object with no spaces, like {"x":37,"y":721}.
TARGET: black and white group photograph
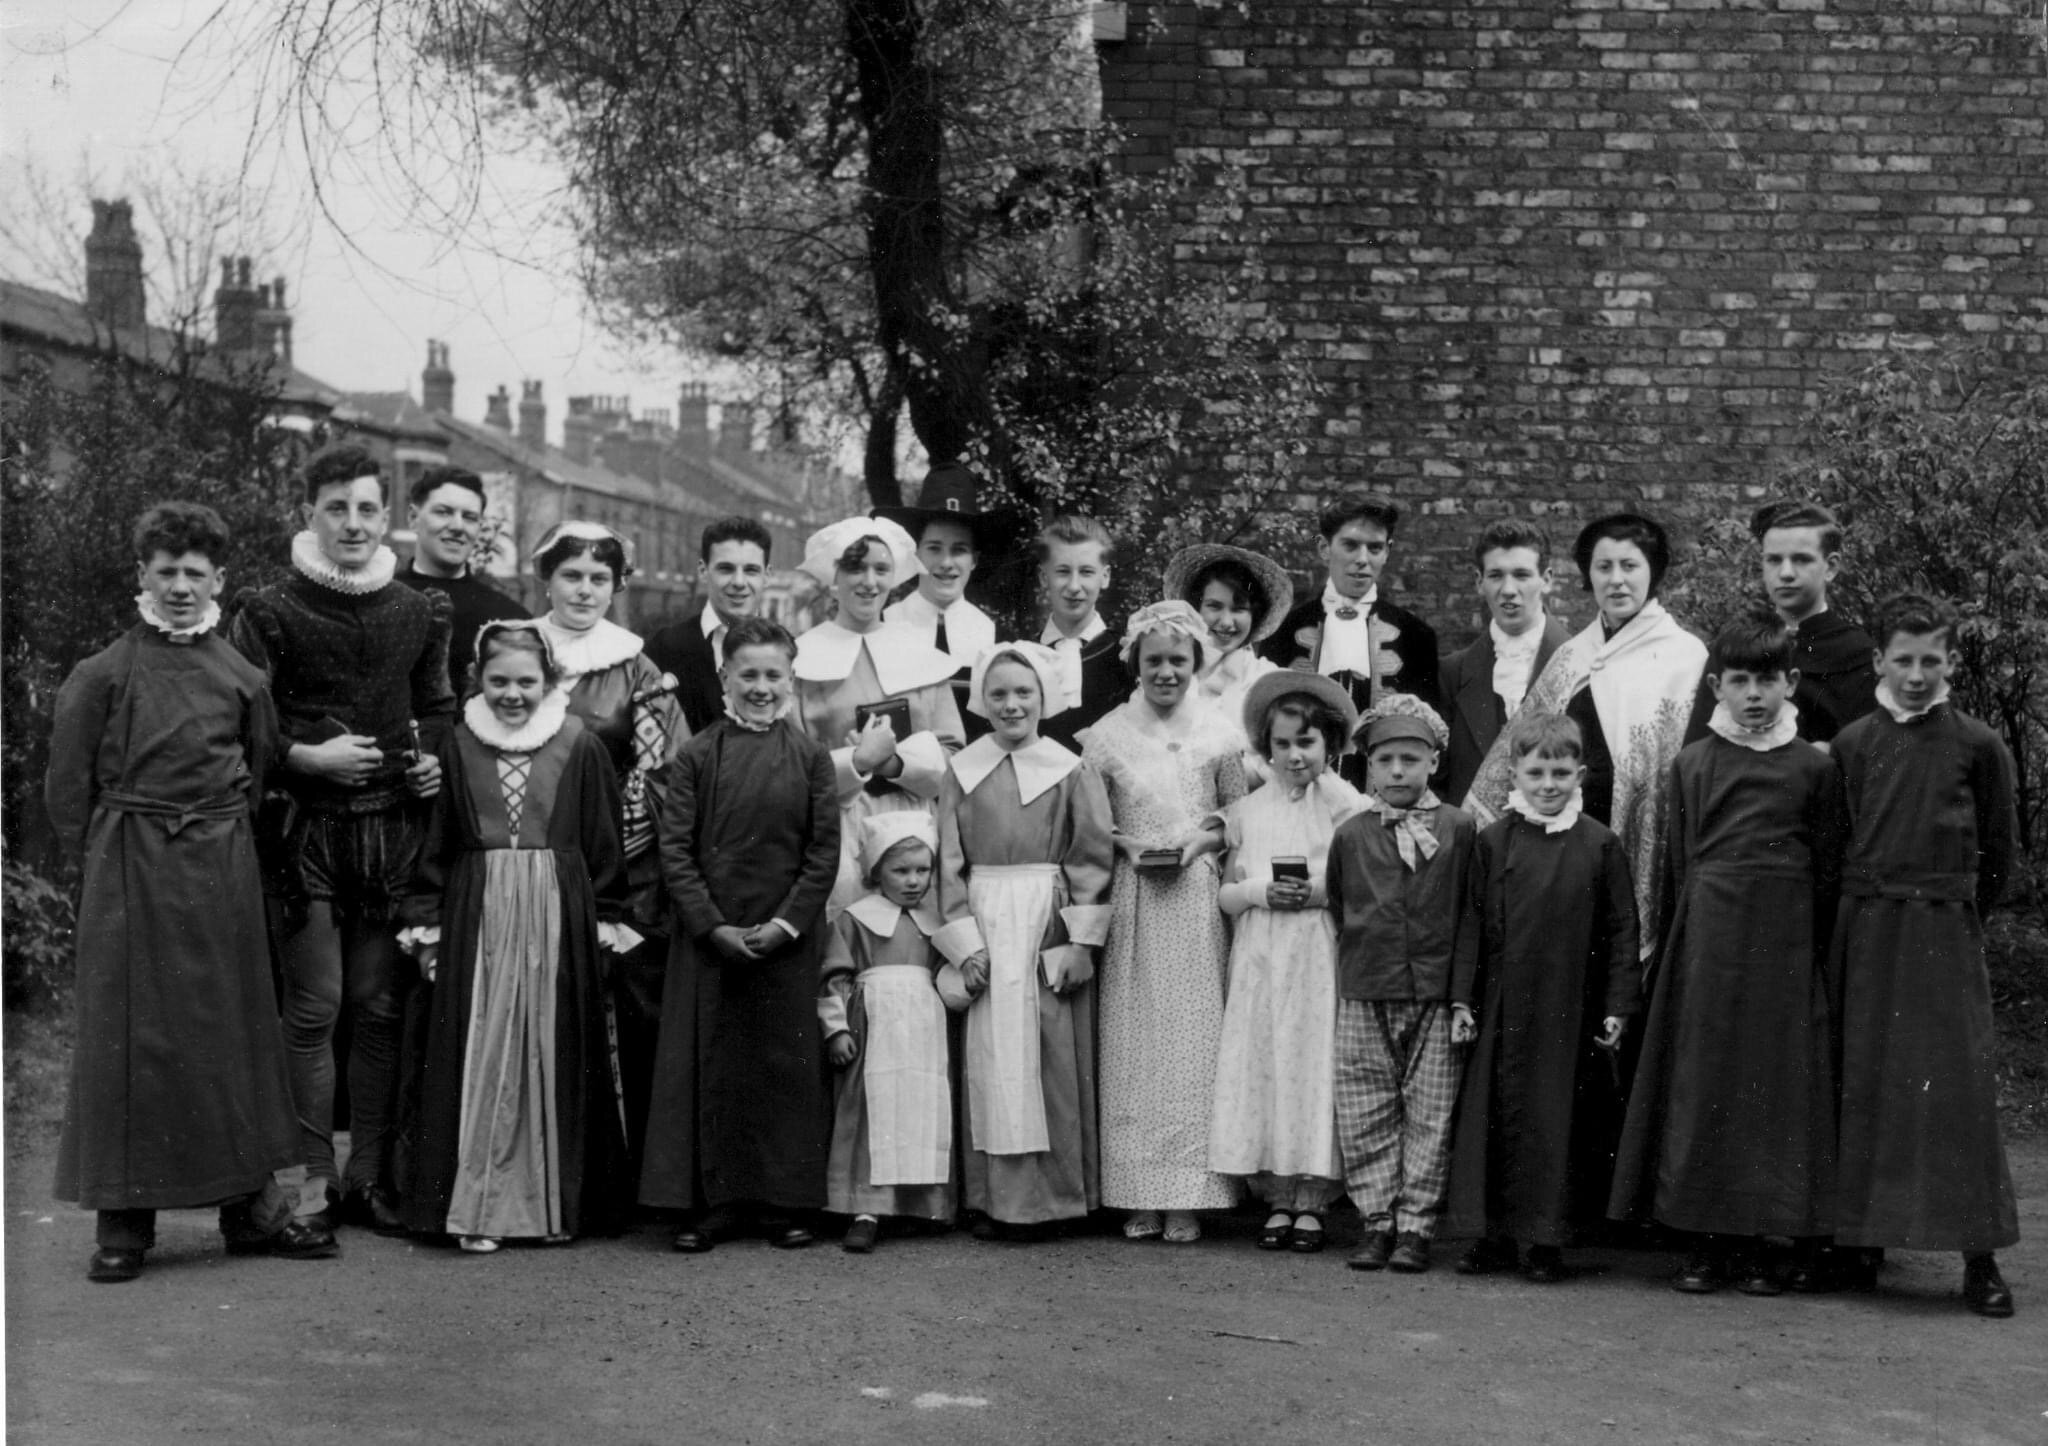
{"x":857,"y":721}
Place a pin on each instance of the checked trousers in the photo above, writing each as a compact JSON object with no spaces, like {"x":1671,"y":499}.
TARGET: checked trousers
{"x":1397,"y":1083}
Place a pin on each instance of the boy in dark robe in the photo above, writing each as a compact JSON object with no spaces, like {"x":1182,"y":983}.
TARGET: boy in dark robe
{"x":1730,"y":1134}
{"x":739,"y":1125}
{"x":1559,"y":978}
{"x":1934,"y":834}
{"x":179,"y":1093}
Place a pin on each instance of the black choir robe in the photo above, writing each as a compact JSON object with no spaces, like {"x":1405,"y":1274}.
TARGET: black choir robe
{"x":741,"y":1107}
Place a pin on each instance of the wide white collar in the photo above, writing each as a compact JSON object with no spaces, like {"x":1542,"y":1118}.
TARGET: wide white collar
{"x":316,"y":566}
{"x":1784,"y":728}
{"x":529,"y":736}
{"x":208,"y":620}
{"x":602,"y":645}
{"x":1040,"y":764}
{"x":903,"y":661}
{"x":1333,"y":599}
{"x":1889,"y":701}
{"x":1557,"y":822}
{"x":969,"y":630}
{"x":880,"y":917}
{"x":1094,"y":628}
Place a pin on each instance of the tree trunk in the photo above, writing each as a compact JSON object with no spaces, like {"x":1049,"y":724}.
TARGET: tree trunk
{"x":878,"y":455}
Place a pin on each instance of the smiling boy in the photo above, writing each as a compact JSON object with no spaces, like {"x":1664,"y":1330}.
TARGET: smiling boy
{"x":952,"y":535}
{"x":447,"y":519}
{"x":732,"y":572}
{"x":1485,"y":683}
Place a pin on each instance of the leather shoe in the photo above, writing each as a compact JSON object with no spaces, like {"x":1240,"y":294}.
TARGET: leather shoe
{"x":1486,"y":1257}
{"x":1984,"y":1289}
{"x":113,"y":1264}
{"x":370,"y":1208}
{"x":328,"y":1216}
{"x":691,"y":1241}
{"x":1411,"y":1254}
{"x":1374,"y":1252}
{"x":1700,"y":1275}
{"x":790,"y":1237}
{"x":1545,"y":1265}
{"x":296,"y":1239}
{"x":1278,"y":1233}
{"x":861,"y":1236}
{"x":1814,"y":1270}
{"x":1305,"y":1242}
{"x":986,"y":1227}
{"x":1752,"y":1276}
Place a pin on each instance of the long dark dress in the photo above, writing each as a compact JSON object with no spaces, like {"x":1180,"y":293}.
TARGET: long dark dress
{"x":1731,"y":1125}
{"x":1539,"y":1111}
{"x":1933,"y":838}
{"x":570,"y":810}
{"x":179,"y":1095}
{"x":741,"y":1109}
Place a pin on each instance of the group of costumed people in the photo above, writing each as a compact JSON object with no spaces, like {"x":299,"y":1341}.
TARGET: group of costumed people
{"x":903,"y":921}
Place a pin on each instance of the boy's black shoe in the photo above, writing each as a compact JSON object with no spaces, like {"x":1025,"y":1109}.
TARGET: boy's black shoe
{"x":1488,"y":1257}
{"x":1984,"y":1289}
{"x":861,"y":1236}
{"x":1374,"y":1252}
{"x":1857,"y":1269}
{"x":295,"y":1240}
{"x":691,"y":1240}
{"x":370,"y":1208}
{"x":328,"y":1216}
{"x":112,"y":1264}
{"x":1815,"y":1269}
{"x":1752,"y":1276}
{"x":1411,"y":1254}
{"x":1700,"y":1275}
{"x":1545,"y":1265}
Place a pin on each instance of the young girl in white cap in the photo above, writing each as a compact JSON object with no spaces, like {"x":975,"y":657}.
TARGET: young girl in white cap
{"x":885,"y":1033}
{"x":1024,"y":869}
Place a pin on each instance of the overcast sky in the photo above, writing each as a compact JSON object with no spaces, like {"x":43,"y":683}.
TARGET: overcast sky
{"x":116,"y":92}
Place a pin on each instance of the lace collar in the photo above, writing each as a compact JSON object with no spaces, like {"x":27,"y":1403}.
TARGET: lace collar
{"x":1040,"y":764}
{"x":315,"y":566}
{"x":1889,"y":701}
{"x":1557,"y":822}
{"x":208,"y":620}
{"x":604,"y":644}
{"x":1784,"y":728}
{"x":880,"y":917}
{"x":529,"y":736}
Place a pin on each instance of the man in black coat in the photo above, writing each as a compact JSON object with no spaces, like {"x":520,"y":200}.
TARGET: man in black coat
{"x":447,"y":518}
{"x":1347,"y":631}
{"x":1484,"y":684}
{"x":732,"y":568}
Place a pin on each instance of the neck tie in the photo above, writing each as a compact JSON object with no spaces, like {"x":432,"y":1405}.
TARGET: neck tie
{"x":939,"y":638}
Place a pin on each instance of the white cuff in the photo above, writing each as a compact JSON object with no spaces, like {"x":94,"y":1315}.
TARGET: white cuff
{"x":960,"y":940}
{"x":619,"y":938}
{"x":1086,"y":923}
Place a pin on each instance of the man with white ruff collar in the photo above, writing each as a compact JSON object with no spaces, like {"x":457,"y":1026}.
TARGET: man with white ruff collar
{"x":359,"y":671}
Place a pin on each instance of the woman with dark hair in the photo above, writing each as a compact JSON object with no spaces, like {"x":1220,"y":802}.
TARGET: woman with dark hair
{"x":877,"y":694}
{"x":629,"y":705}
{"x":1629,"y":680}
{"x":1242,"y":596}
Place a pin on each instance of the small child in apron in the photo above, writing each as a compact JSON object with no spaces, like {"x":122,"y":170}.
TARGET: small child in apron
{"x":885,"y":1032}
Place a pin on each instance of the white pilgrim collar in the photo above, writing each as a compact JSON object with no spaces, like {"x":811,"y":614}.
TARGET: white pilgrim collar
{"x":880,"y":917}
{"x":1051,"y":636}
{"x":1784,"y":728}
{"x":602,"y":645}
{"x":209,"y":618}
{"x":903,"y":661}
{"x":316,"y":566}
{"x":1040,"y":764}
{"x":969,"y":630}
{"x":529,"y":736}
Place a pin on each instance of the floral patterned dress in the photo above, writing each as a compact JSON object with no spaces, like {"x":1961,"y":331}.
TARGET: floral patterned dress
{"x":1161,"y":988}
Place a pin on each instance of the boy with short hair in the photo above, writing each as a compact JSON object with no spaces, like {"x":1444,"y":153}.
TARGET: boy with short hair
{"x":732,"y":572}
{"x":1400,"y":881}
{"x":1348,"y":631}
{"x":1800,"y":544}
{"x":1730,"y":1134}
{"x":448,"y":508}
{"x":1484,"y":684}
{"x":952,"y":535}
{"x":1074,"y":559}
{"x":1933,"y":838}
{"x":1559,"y":978}
{"x":179,"y":1093}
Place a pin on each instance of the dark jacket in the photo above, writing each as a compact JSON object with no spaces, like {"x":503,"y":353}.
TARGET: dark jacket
{"x":683,"y":649}
{"x":1298,"y":642}
{"x":1474,"y":712}
{"x":1405,"y":933}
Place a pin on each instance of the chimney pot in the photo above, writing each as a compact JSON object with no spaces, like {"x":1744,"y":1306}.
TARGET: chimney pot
{"x":113,"y":267}
{"x":533,"y":416}
{"x":498,"y":410}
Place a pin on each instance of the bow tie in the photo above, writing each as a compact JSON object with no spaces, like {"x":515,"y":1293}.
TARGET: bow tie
{"x":1414,"y":828}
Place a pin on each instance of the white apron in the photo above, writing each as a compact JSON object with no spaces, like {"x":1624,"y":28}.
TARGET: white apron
{"x":910,"y":1103}
{"x":1014,"y":904}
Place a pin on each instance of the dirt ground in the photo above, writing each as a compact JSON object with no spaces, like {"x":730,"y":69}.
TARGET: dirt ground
{"x":945,"y":1340}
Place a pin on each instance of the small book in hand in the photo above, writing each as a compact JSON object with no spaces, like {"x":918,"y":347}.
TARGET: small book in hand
{"x":1159,"y":859}
{"x":1291,"y":867}
{"x":896,"y":710}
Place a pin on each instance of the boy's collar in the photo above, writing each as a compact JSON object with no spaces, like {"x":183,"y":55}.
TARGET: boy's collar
{"x":316,"y":566}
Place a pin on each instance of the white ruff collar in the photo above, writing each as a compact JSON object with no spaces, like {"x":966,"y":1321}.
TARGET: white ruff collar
{"x":880,"y":917}
{"x":732,"y":717}
{"x":316,"y":566}
{"x":1558,"y":822}
{"x":208,"y":619}
{"x":529,"y":736}
{"x":903,"y":661}
{"x":969,"y":630}
{"x":1889,"y":701}
{"x":602,"y":645}
{"x":1040,"y":764}
{"x":1783,"y":729}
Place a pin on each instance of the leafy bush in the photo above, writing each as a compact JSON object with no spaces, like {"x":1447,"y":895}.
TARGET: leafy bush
{"x":35,"y":961}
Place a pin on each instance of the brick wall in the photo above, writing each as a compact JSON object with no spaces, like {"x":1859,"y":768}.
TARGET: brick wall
{"x":1559,"y":255}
